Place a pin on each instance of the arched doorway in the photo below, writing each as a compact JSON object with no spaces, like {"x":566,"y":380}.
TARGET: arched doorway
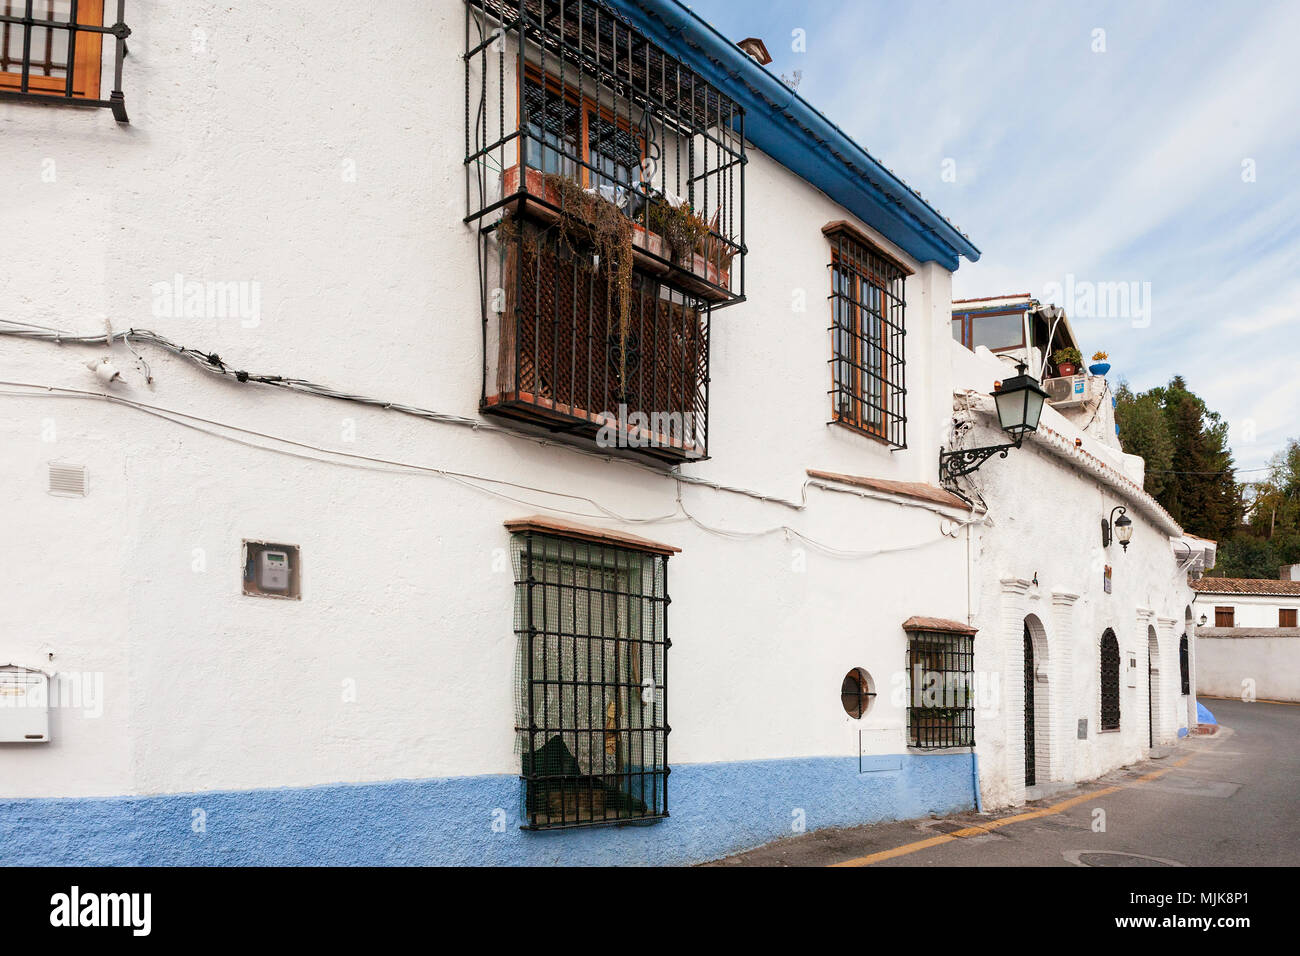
{"x":1037,"y":713}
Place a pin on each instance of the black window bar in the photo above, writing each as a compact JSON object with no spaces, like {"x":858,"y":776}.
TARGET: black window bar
{"x":1184,"y":666}
{"x":608,"y":111}
{"x":590,"y":682}
{"x":1109,"y":681}
{"x":51,"y":52}
{"x":940,"y":683}
{"x":868,"y":365}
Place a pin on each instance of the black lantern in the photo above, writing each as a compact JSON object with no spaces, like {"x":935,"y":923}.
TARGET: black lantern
{"x":1121,"y":526}
{"x":1019,"y":401}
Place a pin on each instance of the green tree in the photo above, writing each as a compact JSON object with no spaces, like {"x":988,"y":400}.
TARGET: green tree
{"x":1144,"y":431}
{"x":1189,"y":465}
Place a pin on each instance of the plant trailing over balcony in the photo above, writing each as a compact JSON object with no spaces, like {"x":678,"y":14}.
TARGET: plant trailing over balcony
{"x":590,"y":219}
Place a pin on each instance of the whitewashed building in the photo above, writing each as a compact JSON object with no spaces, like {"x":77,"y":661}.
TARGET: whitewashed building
{"x":371,"y":500}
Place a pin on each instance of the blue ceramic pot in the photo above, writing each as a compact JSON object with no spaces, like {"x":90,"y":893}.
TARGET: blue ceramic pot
{"x":1099,"y":368}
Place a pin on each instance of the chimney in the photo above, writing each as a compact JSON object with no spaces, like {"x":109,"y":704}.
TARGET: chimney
{"x":1289,"y":572}
{"x":757,"y":49}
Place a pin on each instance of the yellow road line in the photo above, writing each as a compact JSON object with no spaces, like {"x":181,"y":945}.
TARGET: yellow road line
{"x":985,"y":828}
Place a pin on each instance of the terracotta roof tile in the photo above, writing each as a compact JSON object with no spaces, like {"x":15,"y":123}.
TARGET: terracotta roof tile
{"x":1246,"y":586}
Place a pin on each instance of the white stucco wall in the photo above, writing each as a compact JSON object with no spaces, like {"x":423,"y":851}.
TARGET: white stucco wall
{"x":236,"y":169}
{"x":1249,"y":668}
{"x":1042,"y":557}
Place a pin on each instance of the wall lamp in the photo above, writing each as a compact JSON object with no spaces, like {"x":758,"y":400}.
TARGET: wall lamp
{"x":1203,"y":620}
{"x":1019,"y":402}
{"x":1122,"y":526}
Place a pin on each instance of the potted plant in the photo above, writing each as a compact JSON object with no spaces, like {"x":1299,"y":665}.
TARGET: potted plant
{"x":1099,"y":364}
{"x":1067,"y":360}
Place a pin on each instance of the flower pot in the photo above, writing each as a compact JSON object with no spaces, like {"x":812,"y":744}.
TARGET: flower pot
{"x":1099,"y":368}
{"x":1065,"y":369}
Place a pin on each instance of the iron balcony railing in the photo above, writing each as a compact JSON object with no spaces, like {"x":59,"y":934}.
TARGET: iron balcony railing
{"x":606,"y":178}
{"x":51,"y":51}
{"x":569,"y":90}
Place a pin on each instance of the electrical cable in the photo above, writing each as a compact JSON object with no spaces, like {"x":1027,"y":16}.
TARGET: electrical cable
{"x":187,"y":420}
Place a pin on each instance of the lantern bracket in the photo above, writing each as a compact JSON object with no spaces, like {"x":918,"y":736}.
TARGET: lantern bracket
{"x":963,"y":461}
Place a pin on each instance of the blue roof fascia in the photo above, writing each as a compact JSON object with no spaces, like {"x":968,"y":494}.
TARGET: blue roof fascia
{"x":790,"y":130}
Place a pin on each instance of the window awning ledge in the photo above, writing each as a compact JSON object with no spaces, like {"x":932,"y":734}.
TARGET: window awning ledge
{"x":938,"y":625}
{"x":567,"y":529}
{"x":905,"y":489}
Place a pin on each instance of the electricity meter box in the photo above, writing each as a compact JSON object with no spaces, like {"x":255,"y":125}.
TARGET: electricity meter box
{"x":24,"y":706}
{"x":272,"y":570}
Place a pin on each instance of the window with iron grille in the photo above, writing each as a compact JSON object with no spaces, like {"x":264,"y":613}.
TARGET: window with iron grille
{"x":1184,"y":665}
{"x":868,"y":382}
{"x":51,"y":51}
{"x":1109,"y":681}
{"x":591,"y":681}
{"x":571,"y":92}
{"x":940,"y":679}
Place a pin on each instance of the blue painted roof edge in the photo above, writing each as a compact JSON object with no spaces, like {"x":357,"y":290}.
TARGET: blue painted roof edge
{"x":799,"y":137}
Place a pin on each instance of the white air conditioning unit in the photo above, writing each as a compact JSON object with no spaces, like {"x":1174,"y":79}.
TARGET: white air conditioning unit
{"x":1069,"y":390}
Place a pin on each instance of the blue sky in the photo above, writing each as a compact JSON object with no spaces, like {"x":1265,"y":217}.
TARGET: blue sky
{"x":1123,"y":157}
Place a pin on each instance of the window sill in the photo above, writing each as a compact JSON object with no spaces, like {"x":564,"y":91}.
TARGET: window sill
{"x":863,"y":430}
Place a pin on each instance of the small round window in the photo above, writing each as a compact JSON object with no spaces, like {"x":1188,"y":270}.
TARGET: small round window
{"x":856,"y":692}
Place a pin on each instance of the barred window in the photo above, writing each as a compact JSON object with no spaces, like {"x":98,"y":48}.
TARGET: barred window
{"x":868,"y":385}
{"x":940,"y":678}
{"x":1109,"y":681}
{"x":52,"y":50}
{"x":1184,"y":666}
{"x":591,"y":673}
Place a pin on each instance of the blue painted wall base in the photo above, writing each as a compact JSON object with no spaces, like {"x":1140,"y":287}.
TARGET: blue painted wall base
{"x":716,"y":809}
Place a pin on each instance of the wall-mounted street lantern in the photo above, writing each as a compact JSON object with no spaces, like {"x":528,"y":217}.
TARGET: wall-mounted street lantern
{"x":1020,"y":404}
{"x":1122,"y":527}
{"x":1203,"y":620}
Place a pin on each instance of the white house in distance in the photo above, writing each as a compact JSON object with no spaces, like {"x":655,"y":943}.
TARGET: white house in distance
{"x":371,"y":457}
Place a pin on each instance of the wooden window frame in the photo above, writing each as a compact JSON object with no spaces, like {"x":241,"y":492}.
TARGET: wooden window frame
{"x":857,"y":257}
{"x":586,"y":106}
{"x":87,"y":59}
{"x":967,"y":338}
{"x":1286,"y":617}
{"x":1222,"y":613}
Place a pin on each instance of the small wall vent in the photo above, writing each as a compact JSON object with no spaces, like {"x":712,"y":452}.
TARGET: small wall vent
{"x":67,"y":481}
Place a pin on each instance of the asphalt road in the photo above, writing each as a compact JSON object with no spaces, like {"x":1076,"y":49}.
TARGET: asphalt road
{"x":1231,"y":799}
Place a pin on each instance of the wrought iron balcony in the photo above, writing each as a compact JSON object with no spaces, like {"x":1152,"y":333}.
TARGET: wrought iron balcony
{"x":606,"y":178}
